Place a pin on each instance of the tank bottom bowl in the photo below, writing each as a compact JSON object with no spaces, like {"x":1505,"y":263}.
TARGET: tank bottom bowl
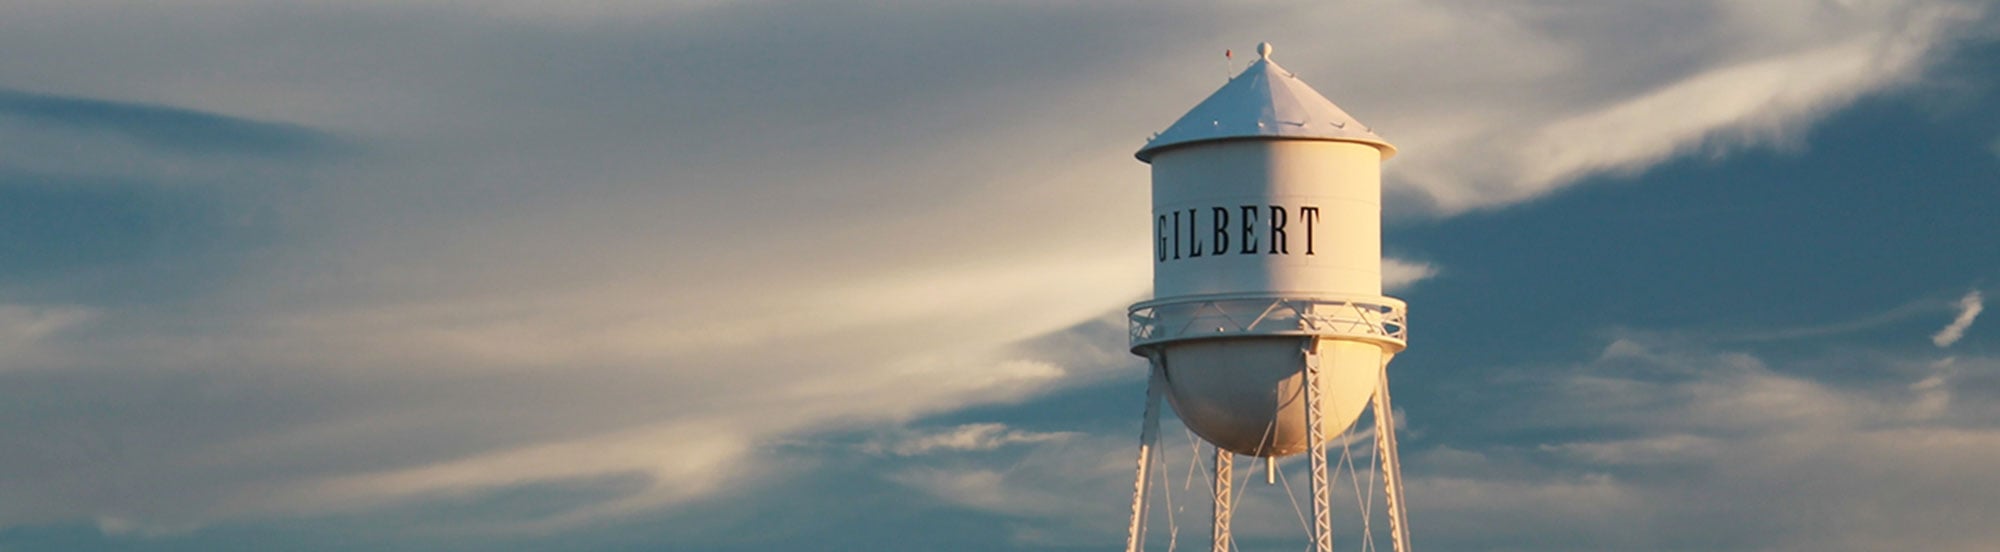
{"x":1246,"y":395}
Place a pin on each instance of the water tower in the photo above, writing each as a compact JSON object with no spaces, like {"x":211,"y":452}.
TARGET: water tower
{"x":1268,"y":332}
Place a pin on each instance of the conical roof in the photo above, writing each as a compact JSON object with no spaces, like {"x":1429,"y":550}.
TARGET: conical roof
{"x":1264,"y":102}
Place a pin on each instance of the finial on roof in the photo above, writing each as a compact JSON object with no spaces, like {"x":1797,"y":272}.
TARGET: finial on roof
{"x":1264,"y":50}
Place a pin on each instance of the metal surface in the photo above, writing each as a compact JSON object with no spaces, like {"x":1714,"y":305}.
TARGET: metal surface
{"x":1375,"y":319}
{"x":1248,"y":394}
{"x":1149,"y":435}
{"x":1235,"y":376}
{"x":1266,"y":219}
{"x":1224,"y":507}
{"x":1281,"y":217}
{"x":1264,"y":101}
{"x":1392,"y":467}
{"x":1322,"y":488}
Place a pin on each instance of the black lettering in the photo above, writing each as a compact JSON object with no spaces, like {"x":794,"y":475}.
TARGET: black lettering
{"x":1177,"y":234}
{"x":1220,"y":216}
{"x":1249,"y":229}
{"x":1309,"y":215}
{"x":1160,"y":229}
{"x":1194,"y":241}
{"x":1278,"y":244}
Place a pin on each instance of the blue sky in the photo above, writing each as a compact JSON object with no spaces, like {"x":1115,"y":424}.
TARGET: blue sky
{"x":750,"y":275}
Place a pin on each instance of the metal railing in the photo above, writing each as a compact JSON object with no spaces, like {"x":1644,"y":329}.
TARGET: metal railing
{"x":1368,"y":318}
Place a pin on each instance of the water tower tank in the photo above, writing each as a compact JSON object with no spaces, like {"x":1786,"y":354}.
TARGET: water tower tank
{"x":1266,"y":228}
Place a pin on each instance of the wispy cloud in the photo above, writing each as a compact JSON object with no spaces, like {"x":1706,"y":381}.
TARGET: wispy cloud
{"x":1968,"y":310}
{"x":964,"y":438}
{"x":24,"y":328}
{"x":591,"y":229}
{"x":1646,"y":443}
{"x":673,"y":464}
{"x":1052,"y":495}
{"x":1757,"y":452}
{"x":1398,"y":274}
{"x":1766,"y":74}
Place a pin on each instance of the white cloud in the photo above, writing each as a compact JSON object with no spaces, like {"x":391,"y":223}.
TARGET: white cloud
{"x":1651,"y":445}
{"x":964,"y":438}
{"x":1754,"y":456}
{"x":677,"y":463}
{"x":581,"y":234}
{"x":1968,"y":310}
{"x":1732,"y":77}
{"x":1398,"y":274}
{"x":1070,"y":493}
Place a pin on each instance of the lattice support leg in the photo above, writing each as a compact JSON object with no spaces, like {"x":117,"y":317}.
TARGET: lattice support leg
{"x":1322,"y":488}
{"x":1392,"y":468}
{"x":1149,"y":436}
{"x":1225,"y":470}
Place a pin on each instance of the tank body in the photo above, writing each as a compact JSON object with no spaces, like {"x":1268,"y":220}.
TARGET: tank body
{"x":1267,"y":216}
{"x":1267,"y":254}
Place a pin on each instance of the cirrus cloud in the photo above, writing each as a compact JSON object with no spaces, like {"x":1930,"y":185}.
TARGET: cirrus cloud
{"x":582,"y":236}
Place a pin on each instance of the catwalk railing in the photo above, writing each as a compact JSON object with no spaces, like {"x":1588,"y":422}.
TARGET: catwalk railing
{"x":1366,"y":318}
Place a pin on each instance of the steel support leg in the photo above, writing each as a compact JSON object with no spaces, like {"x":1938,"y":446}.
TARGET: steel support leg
{"x":1149,"y":435}
{"x":1322,"y":489}
{"x":1392,"y":468}
{"x":1224,"y":471}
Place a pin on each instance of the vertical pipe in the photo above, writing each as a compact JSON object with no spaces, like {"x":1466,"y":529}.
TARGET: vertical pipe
{"x":1224,"y":471}
{"x":1322,"y":489}
{"x":1149,"y":432}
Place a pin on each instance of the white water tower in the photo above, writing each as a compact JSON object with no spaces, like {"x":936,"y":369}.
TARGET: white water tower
{"x":1268,"y":332}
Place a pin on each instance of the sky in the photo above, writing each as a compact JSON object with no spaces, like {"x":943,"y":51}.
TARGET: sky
{"x":697,"y":275}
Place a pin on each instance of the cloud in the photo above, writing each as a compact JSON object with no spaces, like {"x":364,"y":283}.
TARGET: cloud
{"x":1737,"y":78}
{"x":1398,"y":274}
{"x":1658,"y":439}
{"x":643,"y":240}
{"x":1051,"y":496}
{"x":676,"y":463}
{"x":1650,"y":444}
{"x":1968,"y":310}
{"x":446,"y":321}
{"x":1899,"y":313}
{"x":24,"y":328}
{"x":964,"y":438}
{"x":1075,"y":492}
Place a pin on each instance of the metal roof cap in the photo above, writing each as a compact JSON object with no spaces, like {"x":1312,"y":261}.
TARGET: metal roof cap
{"x":1264,"y":102}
